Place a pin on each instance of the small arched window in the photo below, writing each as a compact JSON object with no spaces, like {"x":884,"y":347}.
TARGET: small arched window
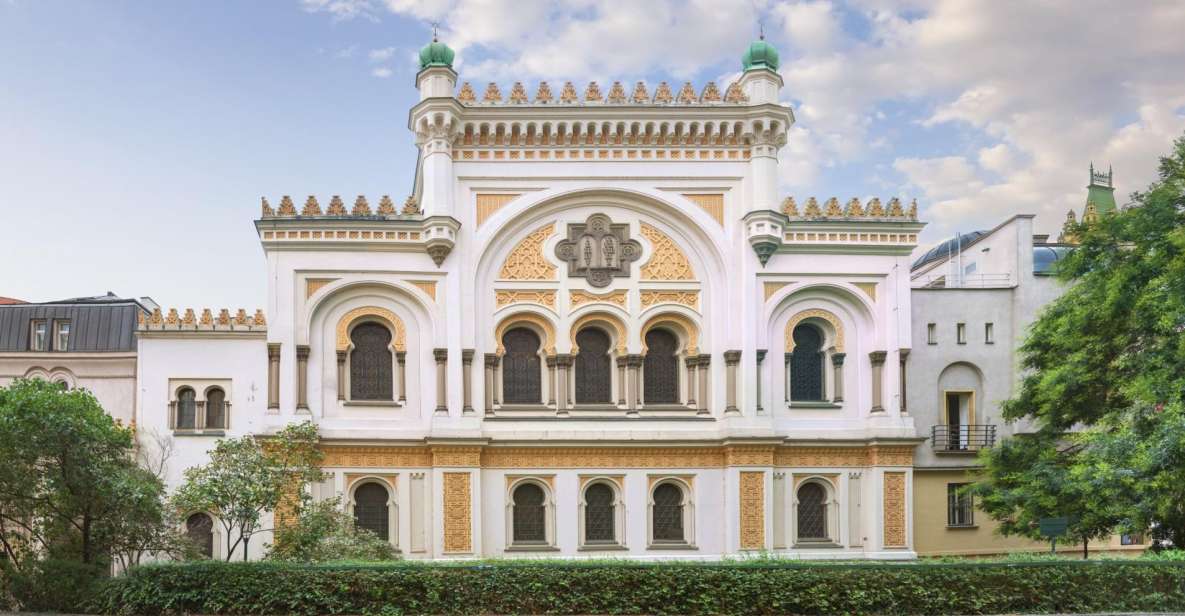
{"x":668,"y":513}
{"x":199,"y":528}
{"x":371,"y":509}
{"x":806,"y":364}
{"x":593,"y":367}
{"x":812,"y":512}
{"x":215,"y":409}
{"x":186,"y":409}
{"x":521,"y":381}
{"x":599,"y":514}
{"x":530,"y":514}
{"x":660,"y":368}
{"x":370,"y":363}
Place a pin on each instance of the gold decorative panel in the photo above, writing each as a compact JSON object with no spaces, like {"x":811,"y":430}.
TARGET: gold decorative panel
{"x":458,"y":513}
{"x":821,"y":456}
{"x":713,"y":204}
{"x":456,"y":456}
{"x":602,"y":457}
{"x":773,"y":287}
{"x":894,"y":514}
{"x":505,"y":298}
{"x":526,"y":261}
{"x":749,"y":455}
{"x":667,"y":261}
{"x":752,"y":514}
{"x":885,"y":455}
{"x":487,"y":204}
{"x":869,"y":288}
{"x":579,"y":298}
{"x":815,"y":313}
{"x":312,"y":285}
{"x":398,"y":339}
{"x":686,"y":298}
{"x":376,"y":457}
{"x":427,"y":286}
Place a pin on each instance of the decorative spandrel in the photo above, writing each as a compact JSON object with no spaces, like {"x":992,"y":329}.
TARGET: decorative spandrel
{"x":598,"y":250}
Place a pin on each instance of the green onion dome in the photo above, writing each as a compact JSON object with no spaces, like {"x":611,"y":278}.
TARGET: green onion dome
{"x":760,"y":54}
{"x":436,"y":54}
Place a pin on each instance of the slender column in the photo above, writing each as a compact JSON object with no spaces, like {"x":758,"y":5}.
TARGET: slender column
{"x":341,"y":375}
{"x":878,"y":369}
{"x":401,"y":364}
{"x":491,"y":364}
{"x":731,"y":359}
{"x":302,"y":378}
{"x":635,"y":395}
{"x":622,"y":381}
{"x":904,"y":355}
{"x":497,"y":380}
{"x":551,"y":384}
{"x":273,"y":377}
{"x":691,"y":361}
{"x":199,"y":416}
{"x":760,"y":377}
{"x":562,"y":361}
{"x":837,"y":364}
{"x":705,"y":406}
{"x":467,"y":381}
{"x":786,"y":376}
{"x":441,"y":356}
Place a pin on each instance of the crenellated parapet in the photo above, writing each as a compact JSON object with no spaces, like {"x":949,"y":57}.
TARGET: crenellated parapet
{"x":361,"y":209}
{"x":853,"y":210}
{"x":640,"y":94}
{"x":814,"y":227}
{"x":190,"y":321}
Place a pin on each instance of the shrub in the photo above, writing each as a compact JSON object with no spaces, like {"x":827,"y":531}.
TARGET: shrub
{"x":51,"y":585}
{"x":323,"y":533}
{"x":633,"y":588}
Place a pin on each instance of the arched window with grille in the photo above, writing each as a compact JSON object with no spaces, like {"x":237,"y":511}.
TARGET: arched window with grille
{"x":199,"y":528}
{"x":186,"y":409}
{"x":660,"y":368}
{"x":215,"y":409}
{"x":372,"y":509}
{"x":806,"y":364}
{"x":812,"y":512}
{"x":593,"y":367}
{"x":370,"y":363}
{"x":600,"y":514}
{"x":521,"y":380}
{"x":667,"y":515}
{"x":529,"y":516}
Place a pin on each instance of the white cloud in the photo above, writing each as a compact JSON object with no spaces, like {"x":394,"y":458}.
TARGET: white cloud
{"x":343,"y":9}
{"x":381,"y":55}
{"x":381,"y":72}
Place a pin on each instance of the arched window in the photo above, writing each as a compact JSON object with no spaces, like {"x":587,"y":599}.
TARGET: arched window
{"x":806,"y":364}
{"x":593,"y":367}
{"x":521,"y":382}
{"x":599,"y":514}
{"x":660,"y":368}
{"x":215,"y":409}
{"x":199,"y":528}
{"x":370,"y":363}
{"x":530,"y":514}
{"x":186,"y":409}
{"x":812,"y":512}
{"x":668,"y":514}
{"x":371,"y":509}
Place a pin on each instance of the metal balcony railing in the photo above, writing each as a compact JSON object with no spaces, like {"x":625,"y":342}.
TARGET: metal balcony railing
{"x":962,"y":438}
{"x":967,"y":281}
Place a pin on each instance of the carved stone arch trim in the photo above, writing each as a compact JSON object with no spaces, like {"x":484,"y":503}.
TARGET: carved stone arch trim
{"x":526,"y":260}
{"x":616,"y":325}
{"x":540,"y":323}
{"x":815,"y":313}
{"x":684,"y":326}
{"x":667,"y":260}
{"x":398,"y":339}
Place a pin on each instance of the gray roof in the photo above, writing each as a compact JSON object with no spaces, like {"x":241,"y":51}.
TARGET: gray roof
{"x":104,"y":323}
{"x":948,"y":248}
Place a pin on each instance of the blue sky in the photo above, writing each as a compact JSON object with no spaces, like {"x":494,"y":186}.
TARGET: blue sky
{"x":136,"y":138}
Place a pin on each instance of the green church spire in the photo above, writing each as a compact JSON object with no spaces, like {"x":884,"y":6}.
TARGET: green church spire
{"x":1101,"y":191}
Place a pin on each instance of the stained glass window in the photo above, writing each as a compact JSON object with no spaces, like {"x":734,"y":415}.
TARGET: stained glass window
{"x":530,"y":514}
{"x":593,"y":367}
{"x":812,"y":512}
{"x":660,"y":368}
{"x":215,"y":409}
{"x":521,"y":383}
{"x":599,"y":514}
{"x":370,"y":363}
{"x":370,"y":509}
{"x":668,"y":513}
{"x":186,"y":409}
{"x":199,"y":528}
{"x":806,"y":364}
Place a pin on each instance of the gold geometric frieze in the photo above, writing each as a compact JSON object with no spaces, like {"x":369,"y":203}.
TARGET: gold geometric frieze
{"x":677,"y":323}
{"x":488,"y":203}
{"x":505,"y":298}
{"x":749,"y":455}
{"x":686,"y":298}
{"x":458,"y":456}
{"x":890,"y":455}
{"x":526,"y":260}
{"x":427,"y":286}
{"x":458,"y":513}
{"x":667,"y":261}
{"x":821,"y":456}
{"x":312,"y":285}
{"x":398,"y":340}
{"x":814,"y":313}
{"x":752,"y":513}
{"x":894,"y":514}
{"x":577,"y":298}
{"x":352,"y":456}
{"x":603,"y":457}
{"x":713,"y":204}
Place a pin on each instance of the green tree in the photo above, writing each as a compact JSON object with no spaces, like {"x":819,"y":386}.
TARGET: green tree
{"x":323,"y":532}
{"x":249,"y":476}
{"x":1105,"y":380}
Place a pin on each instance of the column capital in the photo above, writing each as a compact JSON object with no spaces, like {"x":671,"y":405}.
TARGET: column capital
{"x":761,"y":355}
{"x":441,"y":355}
{"x":563,"y":360}
{"x":732,"y":358}
{"x":467,"y":355}
{"x":491,"y":360}
{"x":623,"y":361}
{"x":837,"y":358}
{"x":704,"y":359}
{"x":302,"y":351}
{"x":691,"y":361}
{"x":635,"y":360}
{"x":273,"y":350}
{"x":903,"y":353}
{"x":878,"y":357}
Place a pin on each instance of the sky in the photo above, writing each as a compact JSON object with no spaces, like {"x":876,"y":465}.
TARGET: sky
{"x":136,"y":138}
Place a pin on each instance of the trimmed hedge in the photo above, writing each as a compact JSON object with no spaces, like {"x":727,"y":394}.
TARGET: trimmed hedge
{"x":631,"y":588}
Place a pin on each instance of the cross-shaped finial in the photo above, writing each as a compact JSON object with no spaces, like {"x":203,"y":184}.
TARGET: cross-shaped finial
{"x":435,"y":27}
